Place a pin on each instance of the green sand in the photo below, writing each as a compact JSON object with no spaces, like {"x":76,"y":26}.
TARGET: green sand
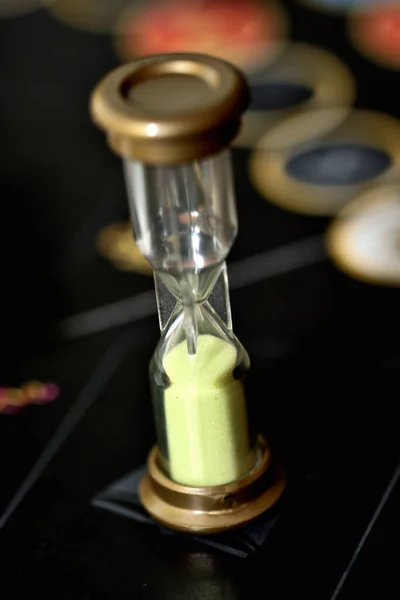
{"x":206,"y":417}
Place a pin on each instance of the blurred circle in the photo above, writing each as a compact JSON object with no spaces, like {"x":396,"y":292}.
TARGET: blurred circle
{"x":248,"y":33}
{"x":97,"y":16}
{"x":116,"y":243}
{"x":364,"y":239}
{"x":343,"y":164}
{"x":303,"y":78}
{"x":375,"y":32}
{"x":325,"y":169}
{"x":15,"y":8}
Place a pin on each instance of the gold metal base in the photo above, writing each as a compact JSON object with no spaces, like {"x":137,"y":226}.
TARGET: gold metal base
{"x":214,"y":509}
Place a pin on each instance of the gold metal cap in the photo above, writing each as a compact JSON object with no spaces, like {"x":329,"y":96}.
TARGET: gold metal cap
{"x":214,"y":509}
{"x":170,"y":108}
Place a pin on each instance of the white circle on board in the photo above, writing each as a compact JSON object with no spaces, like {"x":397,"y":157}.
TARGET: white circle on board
{"x":364,"y":240}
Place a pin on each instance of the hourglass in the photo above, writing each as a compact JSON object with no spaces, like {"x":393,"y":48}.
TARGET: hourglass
{"x":171,"y":118}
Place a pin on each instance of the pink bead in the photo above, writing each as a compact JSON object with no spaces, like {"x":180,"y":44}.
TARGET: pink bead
{"x":49,"y":392}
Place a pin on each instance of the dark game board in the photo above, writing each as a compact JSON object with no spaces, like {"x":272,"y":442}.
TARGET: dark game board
{"x":324,"y":349}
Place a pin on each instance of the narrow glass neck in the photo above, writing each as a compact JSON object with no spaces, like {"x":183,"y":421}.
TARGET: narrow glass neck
{"x":207,"y":287}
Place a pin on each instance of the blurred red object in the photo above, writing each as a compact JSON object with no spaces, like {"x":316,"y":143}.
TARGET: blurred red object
{"x":376,"y":33}
{"x":239,"y":31}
